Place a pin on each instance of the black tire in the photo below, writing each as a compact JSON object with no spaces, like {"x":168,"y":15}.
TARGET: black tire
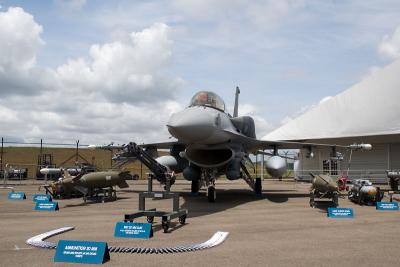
{"x":394,"y":184}
{"x":211,"y":194}
{"x":258,"y":187}
{"x":379,"y":194}
{"x":182,"y":219}
{"x":195,"y":186}
{"x":350,"y":195}
{"x":150,"y":219}
{"x":165,"y":226}
{"x":360,"y":199}
{"x":312,"y":201}
{"x":335,"y":200}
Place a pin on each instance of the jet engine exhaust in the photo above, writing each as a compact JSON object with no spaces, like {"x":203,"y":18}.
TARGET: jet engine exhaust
{"x":276,"y":166}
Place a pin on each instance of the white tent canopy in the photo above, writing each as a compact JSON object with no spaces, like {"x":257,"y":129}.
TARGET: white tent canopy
{"x":371,"y":107}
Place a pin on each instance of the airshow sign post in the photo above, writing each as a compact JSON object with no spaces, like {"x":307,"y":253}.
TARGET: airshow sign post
{"x":46,"y":206}
{"x":387,"y":205}
{"x":42,"y":197}
{"x":340,"y":213}
{"x":16,"y":196}
{"x":89,"y":252}
{"x":133,"y":230}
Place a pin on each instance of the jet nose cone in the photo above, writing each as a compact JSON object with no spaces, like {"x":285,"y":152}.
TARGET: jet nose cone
{"x":192,"y":125}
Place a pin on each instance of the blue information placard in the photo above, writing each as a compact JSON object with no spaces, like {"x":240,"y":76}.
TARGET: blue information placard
{"x":16,"y":196}
{"x":89,"y":252}
{"x":340,"y":213}
{"x":387,"y":205}
{"x":47,"y":206}
{"x":42,"y":197}
{"x":133,"y":230}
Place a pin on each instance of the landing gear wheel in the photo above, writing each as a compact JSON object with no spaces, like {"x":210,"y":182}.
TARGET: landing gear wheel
{"x":165,"y":226}
{"x":150,"y":219}
{"x":182,"y":219}
{"x":211,"y":194}
{"x":258,"y":187}
{"x":195,"y":186}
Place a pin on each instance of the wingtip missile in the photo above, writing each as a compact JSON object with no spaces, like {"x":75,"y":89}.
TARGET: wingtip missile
{"x":361,"y":146}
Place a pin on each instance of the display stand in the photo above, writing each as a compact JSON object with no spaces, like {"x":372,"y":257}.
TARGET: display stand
{"x":166,"y":216}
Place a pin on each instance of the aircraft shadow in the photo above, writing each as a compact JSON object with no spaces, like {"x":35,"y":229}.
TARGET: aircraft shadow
{"x":282,"y":197}
{"x":322,"y":206}
{"x":198,"y":205}
{"x":91,"y":202}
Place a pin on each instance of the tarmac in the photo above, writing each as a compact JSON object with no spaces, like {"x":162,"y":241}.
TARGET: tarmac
{"x":277,"y":229}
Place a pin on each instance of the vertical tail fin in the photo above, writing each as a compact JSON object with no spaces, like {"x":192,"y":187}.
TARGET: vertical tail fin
{"x":235,"y":110}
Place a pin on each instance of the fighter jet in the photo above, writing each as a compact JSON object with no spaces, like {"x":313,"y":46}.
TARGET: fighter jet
{"x":89,"y":184}
{"x":210,"y":143}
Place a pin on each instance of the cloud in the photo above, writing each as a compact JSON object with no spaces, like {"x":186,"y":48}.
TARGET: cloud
{"x":71,"y":4}
{"x":389,"y":47}
{"x":262,"y":126}
{"x":117,"y":92}
{"x":303,"y":110}
{"x":19,"y":39}
{"x":370,"y":72}
{"x":257,"y":13}
{"x":19,"y":44}
{"x":129,"y":70}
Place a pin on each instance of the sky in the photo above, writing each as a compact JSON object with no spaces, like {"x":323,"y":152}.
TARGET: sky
{"x":103,"y":71}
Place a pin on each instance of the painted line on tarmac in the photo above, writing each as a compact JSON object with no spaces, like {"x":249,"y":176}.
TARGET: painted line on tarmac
{"x":217,"y":239}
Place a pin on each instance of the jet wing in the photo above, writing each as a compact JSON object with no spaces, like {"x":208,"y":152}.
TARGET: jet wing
{"x":253,"y":145}
{"x":162,"y":145}
{"x":250,"y":144}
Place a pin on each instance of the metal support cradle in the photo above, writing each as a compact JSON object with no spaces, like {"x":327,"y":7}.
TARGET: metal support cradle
{"x":166,"y":216}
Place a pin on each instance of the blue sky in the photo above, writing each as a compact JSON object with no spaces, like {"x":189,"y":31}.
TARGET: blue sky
{"x":286,"y":56}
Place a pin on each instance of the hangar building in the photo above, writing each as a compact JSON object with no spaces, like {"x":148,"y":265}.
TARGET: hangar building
{"x":367,"y":112}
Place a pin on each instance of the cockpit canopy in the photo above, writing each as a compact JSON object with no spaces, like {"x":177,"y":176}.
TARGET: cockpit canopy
{"x":209,"y":99}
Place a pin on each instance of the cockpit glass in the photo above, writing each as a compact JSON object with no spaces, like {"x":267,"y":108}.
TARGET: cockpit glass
{"x":209,"y":99}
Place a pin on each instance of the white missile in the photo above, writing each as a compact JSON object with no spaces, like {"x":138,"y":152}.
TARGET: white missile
{"x":361,"y":147}
{"x":46,"y":171}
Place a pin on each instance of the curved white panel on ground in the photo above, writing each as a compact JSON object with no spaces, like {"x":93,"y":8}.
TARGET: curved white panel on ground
{"x":215,"y":240}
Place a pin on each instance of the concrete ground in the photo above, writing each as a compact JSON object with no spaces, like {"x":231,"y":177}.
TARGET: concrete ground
{"x":279,"y":229}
